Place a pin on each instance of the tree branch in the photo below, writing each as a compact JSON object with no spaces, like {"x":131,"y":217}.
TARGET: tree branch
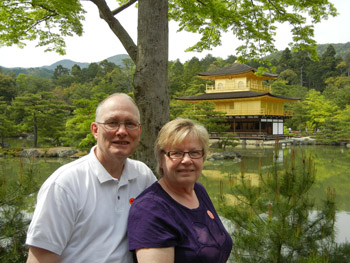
{"x":121,"y":8}
{"x":107,"y":15}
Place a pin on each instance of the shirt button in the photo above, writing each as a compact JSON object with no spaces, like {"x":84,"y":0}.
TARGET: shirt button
{"x":118,"y":197}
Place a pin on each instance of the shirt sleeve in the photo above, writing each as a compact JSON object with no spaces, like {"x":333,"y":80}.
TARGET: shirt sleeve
{"x":53,"y":220}
{"x":151,"y":225}
{"x":151,"y":178}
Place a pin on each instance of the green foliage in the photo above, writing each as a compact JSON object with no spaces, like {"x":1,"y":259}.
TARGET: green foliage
{"x":14,"y":193}
{"x":41,"y":113}
{"x":78,"y":132}
{"x":41,"y":72}
{"x":340,"y":254}
{"x":183,"y":80}
{"x":7,"y":87}
{"x":338,"y":91}
{"x":253,"y":22}
{"x":289,"y":76}
{"x":342,"y":50}
{"x":29,"y":84}
{"x":313,"y":112}
{"x":114,"y":81}
{"x":281,"y":87}
{"x":299,"y":68}
{"x":318,"y":108}
{"x":61,"y":77}
{"x":228,"y":139}
{"x":47,"y":21}
{"x":336,"y":128}
{"x":205,"y":114}
{"x":274,"y":218}
{"x":177,"y":108}
{"x":7,"y":126}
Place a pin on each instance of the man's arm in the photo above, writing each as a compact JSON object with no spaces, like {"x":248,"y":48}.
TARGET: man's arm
{"x":39,"y":255}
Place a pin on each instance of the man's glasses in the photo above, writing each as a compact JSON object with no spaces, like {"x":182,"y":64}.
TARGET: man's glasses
{"x":175,"y":155}
{"x":113,"y":125}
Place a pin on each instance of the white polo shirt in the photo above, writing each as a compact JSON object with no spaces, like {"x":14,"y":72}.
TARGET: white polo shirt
{"x":82,"y":211}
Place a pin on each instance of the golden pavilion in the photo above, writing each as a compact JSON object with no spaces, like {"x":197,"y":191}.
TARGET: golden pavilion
{"x":250,"y":108}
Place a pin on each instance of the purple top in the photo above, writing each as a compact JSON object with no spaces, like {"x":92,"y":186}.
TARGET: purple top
{"x":158,"y":221}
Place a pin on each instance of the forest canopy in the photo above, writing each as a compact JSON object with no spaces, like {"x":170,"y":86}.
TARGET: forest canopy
{"x":73,"y":93}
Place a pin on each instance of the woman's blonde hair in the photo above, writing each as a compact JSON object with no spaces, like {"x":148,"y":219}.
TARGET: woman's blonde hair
{"x":174,"y":133}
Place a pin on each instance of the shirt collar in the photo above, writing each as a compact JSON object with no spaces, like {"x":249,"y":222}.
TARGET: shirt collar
{"x":103,"y":175}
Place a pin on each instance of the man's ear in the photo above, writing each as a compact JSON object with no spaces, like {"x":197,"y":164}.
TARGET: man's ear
{"x":94,"y":128}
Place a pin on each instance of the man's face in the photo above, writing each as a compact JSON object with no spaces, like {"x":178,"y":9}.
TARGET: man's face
{"x":119,"y":143}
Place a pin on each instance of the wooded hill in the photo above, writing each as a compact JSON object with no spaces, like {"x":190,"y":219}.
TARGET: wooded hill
{"x":47,"y":71}
{"x":58,"y":110}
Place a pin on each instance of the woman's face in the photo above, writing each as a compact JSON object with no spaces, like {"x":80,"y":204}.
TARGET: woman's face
{"x":184,"y":171}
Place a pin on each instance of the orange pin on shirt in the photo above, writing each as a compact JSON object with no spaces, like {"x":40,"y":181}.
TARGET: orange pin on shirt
{"x":210,"y":214}
{"x":131,"y":200}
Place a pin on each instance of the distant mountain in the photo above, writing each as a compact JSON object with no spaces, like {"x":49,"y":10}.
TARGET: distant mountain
{"x":41,"y":72}
{"x":118,"y":59}
{"x":47,"y":71}
{"x":66,"y":63}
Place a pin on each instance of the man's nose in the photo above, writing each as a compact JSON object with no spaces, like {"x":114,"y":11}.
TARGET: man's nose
{"x":121,"y":128}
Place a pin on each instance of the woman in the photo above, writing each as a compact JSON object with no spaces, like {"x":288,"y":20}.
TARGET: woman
{"x":174,"y":219}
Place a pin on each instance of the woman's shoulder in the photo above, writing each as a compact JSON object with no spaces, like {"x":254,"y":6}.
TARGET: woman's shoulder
{"x":150,"y":197}
{"x":199,"y":187}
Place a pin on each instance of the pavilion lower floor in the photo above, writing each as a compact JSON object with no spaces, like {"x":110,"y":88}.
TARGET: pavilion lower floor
{"x":257,"y":127}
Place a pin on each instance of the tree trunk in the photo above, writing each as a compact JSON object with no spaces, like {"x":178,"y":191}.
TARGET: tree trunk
{"x":35,"y":130}
{"x":151,"y":58}
{"x":151,"y":76}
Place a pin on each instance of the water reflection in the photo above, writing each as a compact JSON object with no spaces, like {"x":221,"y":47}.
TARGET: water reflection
{"x":342,"y":227}
{"x":332,"y":170}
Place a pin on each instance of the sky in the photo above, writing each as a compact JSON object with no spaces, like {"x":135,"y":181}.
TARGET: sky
{"x":99,"y":43}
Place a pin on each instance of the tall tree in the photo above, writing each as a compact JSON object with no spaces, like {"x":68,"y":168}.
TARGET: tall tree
{"x":78,"y":132}
{"x":338,"y":91}
{"x":61,"y":76}
{"x":32,"y":84}
{"x":77,"y":73}
{"x":347,"y":62}
{"x":43,"y":113}
{"x":7,"y":87}
{"x":285,"y":60}
{"x":301,"y":61}
{"x":253,"y":22}
{"x":7,"y":126}
{"x":329,"y":63}
{"x":206,"y":114}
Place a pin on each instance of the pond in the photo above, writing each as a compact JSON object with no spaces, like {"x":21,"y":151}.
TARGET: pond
{"x":332,"y":170}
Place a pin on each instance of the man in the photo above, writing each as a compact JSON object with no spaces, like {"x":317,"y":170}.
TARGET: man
{"x":82,"y":208}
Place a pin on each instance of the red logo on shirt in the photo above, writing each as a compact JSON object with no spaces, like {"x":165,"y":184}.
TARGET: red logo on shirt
{"x":131,"y":200}
{"x":210,"y":214}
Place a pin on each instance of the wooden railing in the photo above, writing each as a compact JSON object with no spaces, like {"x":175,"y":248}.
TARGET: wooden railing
{"x":238,"y":112}
{"x":227,"y":88}
{"x":249,"y":135}
{"x":261,"y":112}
